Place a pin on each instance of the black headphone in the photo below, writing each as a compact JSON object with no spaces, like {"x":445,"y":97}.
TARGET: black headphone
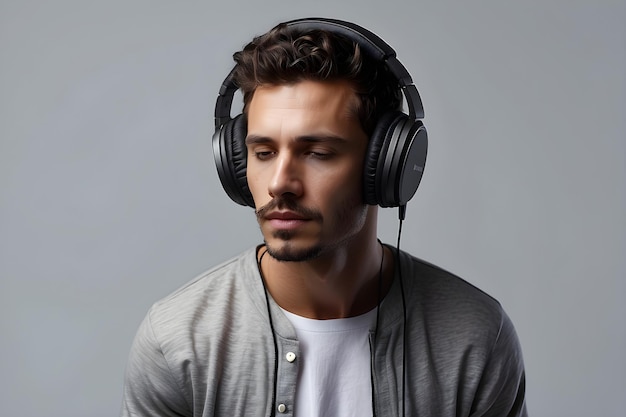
{"x":396,"y":153}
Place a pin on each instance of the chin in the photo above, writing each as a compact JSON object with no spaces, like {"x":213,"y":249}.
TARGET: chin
{"x":285,"y":251}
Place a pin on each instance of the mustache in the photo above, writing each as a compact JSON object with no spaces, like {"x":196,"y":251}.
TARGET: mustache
{"x":288,"y":204}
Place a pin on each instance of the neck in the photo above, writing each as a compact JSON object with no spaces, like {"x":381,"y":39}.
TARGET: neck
{"x":346,"y":282}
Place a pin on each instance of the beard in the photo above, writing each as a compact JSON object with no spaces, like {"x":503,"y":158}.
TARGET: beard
{"x":350,"y":220}
{"x":288,"y":253}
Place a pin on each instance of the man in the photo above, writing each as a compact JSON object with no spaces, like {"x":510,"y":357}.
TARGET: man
{"x":323,"y":319}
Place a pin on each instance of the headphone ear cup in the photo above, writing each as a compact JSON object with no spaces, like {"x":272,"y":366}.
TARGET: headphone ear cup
{"x":231,"y":159}
{"x":376,"y":155}
{"x":404,"y":163}
{"x":395,"y":160}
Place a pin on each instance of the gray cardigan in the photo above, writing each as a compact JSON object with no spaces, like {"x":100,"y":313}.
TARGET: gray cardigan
{"x":207,"y":350}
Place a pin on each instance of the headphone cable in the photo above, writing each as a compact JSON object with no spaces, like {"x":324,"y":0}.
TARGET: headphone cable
{"x":401,"y":215}
{"x":271,"y":323}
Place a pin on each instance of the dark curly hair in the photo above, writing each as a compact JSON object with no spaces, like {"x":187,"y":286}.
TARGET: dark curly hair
{"x":286,"y":55}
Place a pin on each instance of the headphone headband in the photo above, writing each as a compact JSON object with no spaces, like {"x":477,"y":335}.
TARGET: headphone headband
{"x":371,"y":43}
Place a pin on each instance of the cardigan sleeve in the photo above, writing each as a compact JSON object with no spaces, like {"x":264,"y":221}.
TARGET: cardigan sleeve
{"x":501,"y":391}
{"x":150,"y":388}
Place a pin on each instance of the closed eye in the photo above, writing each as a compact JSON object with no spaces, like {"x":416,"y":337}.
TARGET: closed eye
{"x":264,"y":155}
{"x":319,"y":147}
{"x":319,"y":155}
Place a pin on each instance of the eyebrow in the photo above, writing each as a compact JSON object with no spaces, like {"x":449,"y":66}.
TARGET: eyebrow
{"x":257,"y":139}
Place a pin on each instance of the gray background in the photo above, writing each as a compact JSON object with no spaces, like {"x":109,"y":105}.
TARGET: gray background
{"x":110,"y":199}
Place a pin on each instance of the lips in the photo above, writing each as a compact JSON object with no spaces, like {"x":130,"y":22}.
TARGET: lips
{"x":285,"y":220}
{"x":284,"y":215}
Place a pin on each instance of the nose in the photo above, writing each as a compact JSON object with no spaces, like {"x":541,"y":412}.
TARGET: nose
{"x":286,"y":178}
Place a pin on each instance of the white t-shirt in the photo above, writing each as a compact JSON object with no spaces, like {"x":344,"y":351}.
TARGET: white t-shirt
{"x":335,"y":372}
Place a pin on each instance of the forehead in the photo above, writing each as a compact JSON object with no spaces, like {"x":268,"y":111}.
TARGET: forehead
{"x":303,"y":108}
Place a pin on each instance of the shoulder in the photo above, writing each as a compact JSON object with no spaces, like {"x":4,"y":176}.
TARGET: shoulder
{"x":202,"y":304}
{"x":436,"y":288}
{"x":460,"y":338}
{"x":162,"y":373}
{"x":219,"y":279}
{"x":450,"y":308}
{"x":465,"y":338}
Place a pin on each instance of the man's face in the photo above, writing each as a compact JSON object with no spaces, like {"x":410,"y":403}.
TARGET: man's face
{"x":305,"y":166}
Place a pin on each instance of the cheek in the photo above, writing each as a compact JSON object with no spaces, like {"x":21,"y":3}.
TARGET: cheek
{"x":344,"y":184}
{"x":352,"y":176}
{"x":255,"y":184}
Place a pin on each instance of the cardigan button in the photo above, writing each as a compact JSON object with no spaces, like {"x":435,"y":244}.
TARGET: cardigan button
{"x":282,"y":408}
{"x":290,"y":356}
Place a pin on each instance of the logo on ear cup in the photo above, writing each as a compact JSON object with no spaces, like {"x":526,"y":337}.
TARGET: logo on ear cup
{"x":414,"y":154}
